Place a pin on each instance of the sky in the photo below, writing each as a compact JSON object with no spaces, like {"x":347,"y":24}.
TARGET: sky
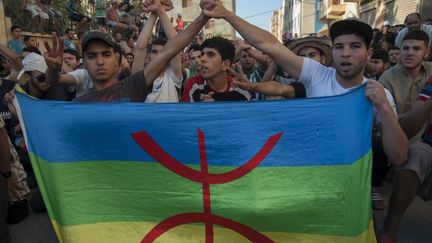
{"x":257,"y":12}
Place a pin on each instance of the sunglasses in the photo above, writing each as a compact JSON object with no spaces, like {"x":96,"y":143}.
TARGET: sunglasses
{"x":39,"y":78}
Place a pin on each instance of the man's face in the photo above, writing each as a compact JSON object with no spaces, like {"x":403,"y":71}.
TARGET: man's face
{"x":6,"y":67}
{"x":118,"y":37}
{"x":71,"y":34}
{"x":413,"y":22}
{"x":246,"y":61}
{"x":70,"y":60}
{"x":32,"y":42}
{"x":350,"y":56}
{"x":413,"y":52}
{"x":212,"y":64}
{"x":312,"y":53}
{"x":394,"y":56}
{"x":154,"y":51}
{"x":16,"y":33}
{"x":100,"y":61}
{"x":129,"y":59}
{"x":38,"y":80}
{"x":377,"y":67}
{"x":195,"y":58}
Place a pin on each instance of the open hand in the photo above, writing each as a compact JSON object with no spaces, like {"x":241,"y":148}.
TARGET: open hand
{"x":54,"y":55}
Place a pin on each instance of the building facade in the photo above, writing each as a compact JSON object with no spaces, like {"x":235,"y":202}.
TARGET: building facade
{"x":189,"y":10}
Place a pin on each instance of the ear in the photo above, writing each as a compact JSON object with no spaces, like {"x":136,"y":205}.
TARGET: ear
{"x":386,"y":65}
{"x":428,"y":50}
{"x":226,"y":64}
{"x":323,"y":59}
{"x":369,"y":54}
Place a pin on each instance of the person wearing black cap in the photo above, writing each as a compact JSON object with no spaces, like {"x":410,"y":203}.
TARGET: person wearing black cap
{"x":102,"y":57}
{"x":351,"y":41}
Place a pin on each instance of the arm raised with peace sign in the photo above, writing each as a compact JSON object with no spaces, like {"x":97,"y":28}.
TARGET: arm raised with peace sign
{"x":54,"y":58}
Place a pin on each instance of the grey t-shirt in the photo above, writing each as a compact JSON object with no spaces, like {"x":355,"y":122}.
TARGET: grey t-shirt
{"x":131,"y":89}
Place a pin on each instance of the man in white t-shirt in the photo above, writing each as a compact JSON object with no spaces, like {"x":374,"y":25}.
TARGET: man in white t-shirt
{"x":166,"y":85}
{"x":351,"y":51}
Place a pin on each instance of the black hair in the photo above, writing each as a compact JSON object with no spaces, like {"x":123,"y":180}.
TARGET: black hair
{"x":72,"y":52}
{"x":158,"y":41}
{"x":31,"y":49}
{"x":195,"y":47}
{"x":393,"y":48}
{"x":225,"y":48}
{"x":352,"y":32}
{"x":381,"y":55}
{"x":14,"y":27}
{"x":68,"y":29}
{"x":129,"y":54}
{"x":419,"y":35}
{"x":27,"y":38}
{"x":416,"y":13}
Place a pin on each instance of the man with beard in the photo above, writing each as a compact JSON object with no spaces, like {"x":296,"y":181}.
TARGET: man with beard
{"x":378,"y":64}
{"x":351,"y":50}
{"x":407,"y":79}
{"x":412,"y":22}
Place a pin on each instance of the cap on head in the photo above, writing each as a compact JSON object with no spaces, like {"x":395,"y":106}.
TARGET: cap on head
{"x":352,"y":26}
{"x":98,"y":35}
{"x":386,"y":23}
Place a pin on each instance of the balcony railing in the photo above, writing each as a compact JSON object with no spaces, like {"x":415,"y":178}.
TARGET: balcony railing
{"x":331,"y":10}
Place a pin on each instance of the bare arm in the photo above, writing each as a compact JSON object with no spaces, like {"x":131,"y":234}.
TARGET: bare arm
{"x":176,"y":63}
{"x":54,"y":59}
{"x":413,"y":121}
{"x":172,"y":48}
{"x":140,"y":52}
{"x":394,"y":140}
{"x":257,"y":37}
{"x":17,"y":65}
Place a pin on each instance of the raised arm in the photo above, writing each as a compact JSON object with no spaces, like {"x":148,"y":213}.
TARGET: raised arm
{"x":15,"y":61}
{"x":172,"y":48}
{"x":54,"y":59}
{"x":176,"y":63}
{"x":140,"y":52}
{"x":260,"y":39}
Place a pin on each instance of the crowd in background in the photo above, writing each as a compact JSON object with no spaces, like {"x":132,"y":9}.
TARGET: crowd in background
{"x":129,"y":53}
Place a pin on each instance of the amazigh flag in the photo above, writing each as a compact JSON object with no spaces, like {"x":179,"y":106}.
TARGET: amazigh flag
{"x":279,"y":171}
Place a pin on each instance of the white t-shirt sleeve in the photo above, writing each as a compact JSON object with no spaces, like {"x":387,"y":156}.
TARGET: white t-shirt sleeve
{"x":175,"y":79}
{"x":82,"y":81}
{"x":312,"y":73}
{"x":377,"y":117}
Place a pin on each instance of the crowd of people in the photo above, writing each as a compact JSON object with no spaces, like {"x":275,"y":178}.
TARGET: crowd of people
{"x":123,"y":60}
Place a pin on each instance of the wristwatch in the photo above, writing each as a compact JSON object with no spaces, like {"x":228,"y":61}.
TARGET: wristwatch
{"x":6,"y":174}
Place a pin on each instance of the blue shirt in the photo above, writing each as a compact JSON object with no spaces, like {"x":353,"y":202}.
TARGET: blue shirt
{"x":16,"y":45}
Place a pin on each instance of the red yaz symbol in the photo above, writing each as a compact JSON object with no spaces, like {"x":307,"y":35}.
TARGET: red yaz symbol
{"x":161,"y":156}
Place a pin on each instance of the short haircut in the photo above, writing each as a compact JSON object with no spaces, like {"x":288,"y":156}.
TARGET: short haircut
{"x":417,"y":14}
{"x":27,"y":38}
{"x":129,"y":54}
{"x":394,"y":48}
{"x":68,"y":30}
{"x":225,"y":48}
{"x":31,"y":49}
{"x":195,"y":47}
{"x":158,"y":41}
{"x":72,"y":52}
{"x":419,"y":35}
{"x":14,"y":27}
{"x":381,"y":55}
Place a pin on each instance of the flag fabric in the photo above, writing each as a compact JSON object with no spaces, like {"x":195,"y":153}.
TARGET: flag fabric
{"x":280,"y":171}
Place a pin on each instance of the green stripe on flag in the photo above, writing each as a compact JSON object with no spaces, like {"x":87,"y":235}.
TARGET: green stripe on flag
{"x":272,"y":199}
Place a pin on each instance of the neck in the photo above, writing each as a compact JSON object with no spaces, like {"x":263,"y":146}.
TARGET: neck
{"x":219,"y":83}
{"x":412,"y":72}
{"x":349,"y":83}
{"x":35,"y":92}
{"x":103,"y":85}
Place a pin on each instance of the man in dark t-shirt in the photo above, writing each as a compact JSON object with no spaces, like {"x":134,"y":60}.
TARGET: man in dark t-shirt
{"x":214,"y":83}
{"x":102,"y":58}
